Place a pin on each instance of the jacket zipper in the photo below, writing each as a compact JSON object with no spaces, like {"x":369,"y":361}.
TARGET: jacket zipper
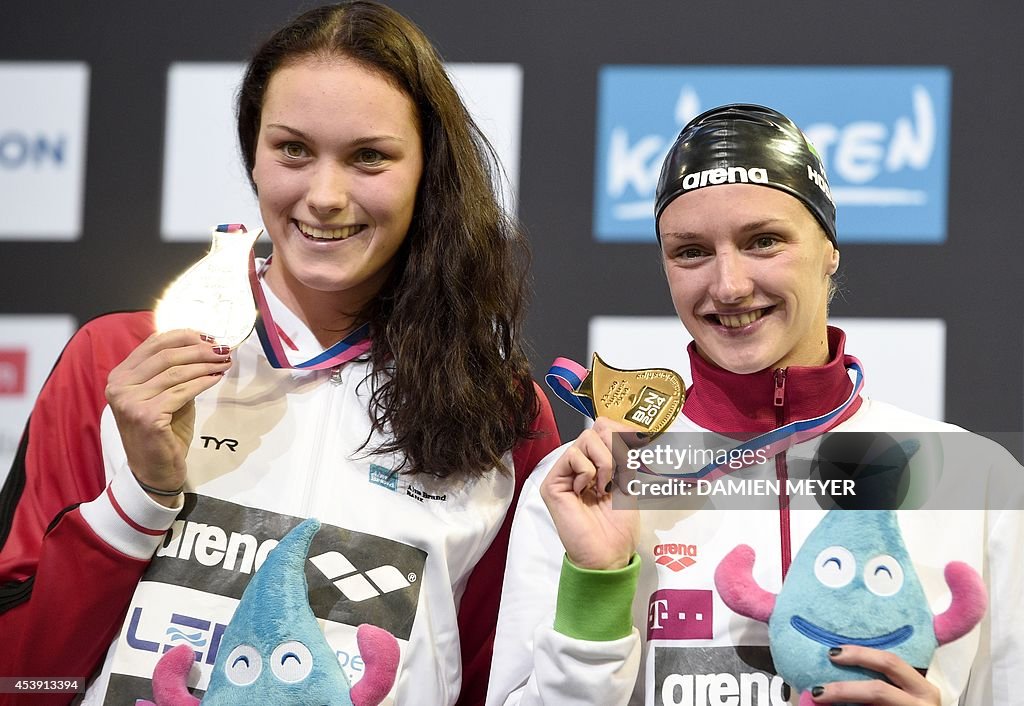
{"x":336,"y":378}
{"x":782,"y":474}
{"x":325,"y":422}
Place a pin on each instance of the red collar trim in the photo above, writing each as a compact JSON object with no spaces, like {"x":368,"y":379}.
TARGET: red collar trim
{"x":734,"y":404}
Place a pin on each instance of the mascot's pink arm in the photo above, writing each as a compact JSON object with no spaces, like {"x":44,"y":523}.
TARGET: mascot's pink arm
{"x":806,"y":700}
{"x":970,"y":600}
{"x":170,"y":677}
{"x":380,"y":655}
{"x":734,"y":579}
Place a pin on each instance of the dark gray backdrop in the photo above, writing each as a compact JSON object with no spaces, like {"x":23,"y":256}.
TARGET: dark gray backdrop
{"x":972,"y":280}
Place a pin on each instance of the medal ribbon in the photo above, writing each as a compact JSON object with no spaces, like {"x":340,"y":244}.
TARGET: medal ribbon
{"x":352,"y":346}
{"x":781,"y":439}
{"x":565,"y":376}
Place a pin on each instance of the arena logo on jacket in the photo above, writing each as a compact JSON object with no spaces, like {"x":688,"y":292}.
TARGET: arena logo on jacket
{"x":195,"y":581}
{"x":675,"y":557}
{"x":700,"y":676}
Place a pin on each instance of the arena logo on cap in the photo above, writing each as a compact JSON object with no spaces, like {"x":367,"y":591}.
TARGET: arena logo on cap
{"x":882,"y":133}
{"x":730,"y":175}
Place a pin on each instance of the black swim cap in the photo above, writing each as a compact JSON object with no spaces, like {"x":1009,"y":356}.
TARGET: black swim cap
{"x":746,"y":144}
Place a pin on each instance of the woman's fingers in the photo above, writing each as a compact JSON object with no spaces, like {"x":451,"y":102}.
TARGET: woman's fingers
{"x":908,"y":686}
{"x":599,"y":454}
{"x":578,"y":494}
{"x":151,"y":393}
{"x":618,"y":438}
{"x":163,"y":361}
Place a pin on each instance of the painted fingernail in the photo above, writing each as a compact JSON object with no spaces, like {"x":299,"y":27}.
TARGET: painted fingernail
{"x":642,"y":435}
{"x":817,"y":691}
{"x":834,"y":651}
{"x":221,"y":350}
{"x":608,"y":487}
{"x":204,"y":337}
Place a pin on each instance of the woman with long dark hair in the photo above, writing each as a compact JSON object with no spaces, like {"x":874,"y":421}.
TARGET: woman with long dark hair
{"x":387,"y":394}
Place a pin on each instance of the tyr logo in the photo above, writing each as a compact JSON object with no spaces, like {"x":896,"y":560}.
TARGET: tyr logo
{"x":231,"y":444}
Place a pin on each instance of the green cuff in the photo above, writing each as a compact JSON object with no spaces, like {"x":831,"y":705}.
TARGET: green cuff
{"x":596,"y":605}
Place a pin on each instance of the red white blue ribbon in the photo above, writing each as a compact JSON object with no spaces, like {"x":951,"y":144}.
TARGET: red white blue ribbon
{"x":780,"y":439}
{"x":352,"y":346}
{"x":564,"y":378}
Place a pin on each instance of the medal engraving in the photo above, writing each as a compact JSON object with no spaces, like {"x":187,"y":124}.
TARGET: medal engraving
{"x":648,"y":399}
{"x":214,"y":296}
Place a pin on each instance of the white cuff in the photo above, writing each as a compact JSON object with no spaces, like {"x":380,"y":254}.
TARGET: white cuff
{"x":127,"y":519}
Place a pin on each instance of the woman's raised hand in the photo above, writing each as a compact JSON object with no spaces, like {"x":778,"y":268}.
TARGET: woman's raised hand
{"x":151,"y":394}
{"x":578,"y":492}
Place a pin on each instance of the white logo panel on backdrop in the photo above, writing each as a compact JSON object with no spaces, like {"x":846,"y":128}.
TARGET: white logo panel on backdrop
{"x":29,"y":345}
{"x":204,"y":182}
{"x":493,"y":93}
{"x":42,"y":149}
{"x":904,"y":359}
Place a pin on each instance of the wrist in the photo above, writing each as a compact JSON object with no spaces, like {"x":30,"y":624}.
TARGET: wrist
{"x":587,"y":563}
{"x":165,"y":496}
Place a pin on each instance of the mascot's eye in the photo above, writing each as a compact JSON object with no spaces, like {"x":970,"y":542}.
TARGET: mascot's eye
{"x":243,"y":665}
{"x":291,"y":661}
{"x":883,"y":575}
{"x":835,"y":567}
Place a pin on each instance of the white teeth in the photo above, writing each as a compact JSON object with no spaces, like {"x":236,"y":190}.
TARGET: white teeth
{"x":332,"y":234}
{"x":737,"y":320}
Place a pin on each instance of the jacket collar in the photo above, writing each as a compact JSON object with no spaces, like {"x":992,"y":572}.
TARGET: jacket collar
{"x":739,"y":405}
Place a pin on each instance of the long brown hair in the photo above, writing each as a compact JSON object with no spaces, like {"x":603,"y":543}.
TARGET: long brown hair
{"x":452,"y":388}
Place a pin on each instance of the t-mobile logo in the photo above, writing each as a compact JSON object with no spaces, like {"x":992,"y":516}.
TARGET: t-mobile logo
{"x":680,"y":614}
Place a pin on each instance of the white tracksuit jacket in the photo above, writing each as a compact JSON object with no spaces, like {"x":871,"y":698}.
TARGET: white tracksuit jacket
{"x":270,"y":448}
{"x":687,"y":648}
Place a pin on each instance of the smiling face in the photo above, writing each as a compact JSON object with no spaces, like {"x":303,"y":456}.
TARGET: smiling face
{"x":337,"y":166}
{"x":851,"y":583}
{"x":748,"y":268}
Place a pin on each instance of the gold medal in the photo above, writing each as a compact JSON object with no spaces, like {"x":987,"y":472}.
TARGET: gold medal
{"x":648,"y":399}
{"x":214,"y":296}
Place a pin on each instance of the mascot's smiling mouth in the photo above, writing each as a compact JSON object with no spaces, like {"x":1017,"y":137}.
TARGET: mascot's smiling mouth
{"x":832,"y":639}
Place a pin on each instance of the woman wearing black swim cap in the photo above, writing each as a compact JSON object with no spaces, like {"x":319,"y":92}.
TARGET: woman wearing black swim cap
{"x":747,"y":230}
{"x":749,"y":268}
